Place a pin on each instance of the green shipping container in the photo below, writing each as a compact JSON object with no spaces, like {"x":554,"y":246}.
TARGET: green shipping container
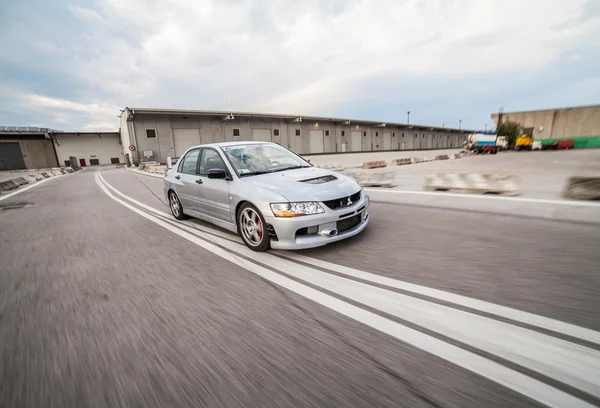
{"x":580,"y":142}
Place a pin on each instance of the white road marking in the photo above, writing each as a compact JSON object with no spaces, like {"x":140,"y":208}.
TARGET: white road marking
{"x":489,"y":197}
{"x":503,"y":311}
{"x":512,"y":379}
{"x":22,"y":189}
{"x":572,"y":364}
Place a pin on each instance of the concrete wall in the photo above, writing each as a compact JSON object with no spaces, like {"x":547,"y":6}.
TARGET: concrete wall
{"x":558,"y":123}
{"x":102,"y":146}
{"x":37,"y":154}
{"x":124,"y":129}
{"x":214,"y":130}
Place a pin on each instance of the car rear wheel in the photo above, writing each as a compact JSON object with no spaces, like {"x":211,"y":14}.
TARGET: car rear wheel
{"x":253,"y":228}
{"x":175,"y":205}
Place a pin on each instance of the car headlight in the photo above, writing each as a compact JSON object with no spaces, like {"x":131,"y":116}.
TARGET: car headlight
{"x":296,"y":209}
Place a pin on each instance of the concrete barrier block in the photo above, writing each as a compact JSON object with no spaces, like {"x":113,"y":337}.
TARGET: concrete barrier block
{"x":442,"y":157}
{"x":46,"y":174}
{"x":334,"y":167}
{"x":56,"y":173}
{"x":374,"y":164}
{"x":583,"y":188}
{"x":403,"y":161}
{"x":472,"y":183}
{"x":158,"y":169}
{"x":37,"y":176}
{"x":8,"y":185}
{"x":69,"y":170}
{"x":21,"y":181}
{"x":368,"y":179}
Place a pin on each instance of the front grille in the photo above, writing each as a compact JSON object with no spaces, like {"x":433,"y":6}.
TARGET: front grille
{"x":352,"y":212}
{"x":348,"y":223}
{"x":343,"y":201}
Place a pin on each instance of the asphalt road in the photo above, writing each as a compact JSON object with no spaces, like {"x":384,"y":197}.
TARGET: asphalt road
{"x":104,"y":302}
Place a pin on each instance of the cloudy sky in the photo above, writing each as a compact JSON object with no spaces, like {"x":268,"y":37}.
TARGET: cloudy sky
{"x":72,"y":65}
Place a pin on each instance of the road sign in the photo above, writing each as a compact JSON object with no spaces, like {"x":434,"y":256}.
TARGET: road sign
{"x":131,"y":147}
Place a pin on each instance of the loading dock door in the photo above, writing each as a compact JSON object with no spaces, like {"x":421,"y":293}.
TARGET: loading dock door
{"x":316,"y":141}
{"x":184,"y":139}
{"x":356,"y":138}
{"x":262,"y":135}
{"x":11,"y":157}
{"x":387,"y":141}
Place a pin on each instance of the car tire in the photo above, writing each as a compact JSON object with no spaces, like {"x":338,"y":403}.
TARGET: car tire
{"x":252,"y":228}
{"x":176,"y":207}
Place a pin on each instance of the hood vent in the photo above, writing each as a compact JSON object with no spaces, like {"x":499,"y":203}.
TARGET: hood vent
{"x":319,"y":180}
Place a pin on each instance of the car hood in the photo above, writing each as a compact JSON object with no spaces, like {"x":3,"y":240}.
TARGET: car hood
{"x":289,"y":184}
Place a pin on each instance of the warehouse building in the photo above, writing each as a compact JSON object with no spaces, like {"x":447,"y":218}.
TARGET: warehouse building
{"x":155,"y":134}
{"x":26,"y":148}
{"x":38,"y":148}
{"x":89,"y":148}
{"x":581,"y":123}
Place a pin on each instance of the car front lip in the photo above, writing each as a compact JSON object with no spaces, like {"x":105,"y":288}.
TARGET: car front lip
{"x":286,"y":228}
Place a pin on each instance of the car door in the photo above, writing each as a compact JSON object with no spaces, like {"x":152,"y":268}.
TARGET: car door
{"x":186,"y":179}
{"x":213,"y":197}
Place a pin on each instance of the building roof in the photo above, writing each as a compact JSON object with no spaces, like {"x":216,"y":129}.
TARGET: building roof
{"x":548,"y":109}
{"x":24,"y":131}
{"x":288,"y":117}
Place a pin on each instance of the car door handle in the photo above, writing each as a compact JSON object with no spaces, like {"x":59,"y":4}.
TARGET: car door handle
{"x":199,"y":181}
{"x":178,"y":177}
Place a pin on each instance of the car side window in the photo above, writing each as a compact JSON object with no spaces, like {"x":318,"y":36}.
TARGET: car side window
{"x":190,"y":162}
{"x":211,"y":160}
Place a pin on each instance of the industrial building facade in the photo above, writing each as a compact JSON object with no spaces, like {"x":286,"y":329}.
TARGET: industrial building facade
{"x":581,"y":123}
{"x":35,"y":148}
{"x":155,"y":134}
{"x":26,"y":150}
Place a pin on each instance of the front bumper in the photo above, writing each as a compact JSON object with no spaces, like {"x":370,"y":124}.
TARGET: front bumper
{"x":286,"y":228}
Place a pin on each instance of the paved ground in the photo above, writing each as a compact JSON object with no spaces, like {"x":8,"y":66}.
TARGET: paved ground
{"x":540,"y":174}
{"x":104,"y":305}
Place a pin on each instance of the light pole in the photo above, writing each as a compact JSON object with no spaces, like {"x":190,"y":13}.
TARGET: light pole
{"x":408,"y":117}
{"x":459,"y":123}
{"x":485,"y":128}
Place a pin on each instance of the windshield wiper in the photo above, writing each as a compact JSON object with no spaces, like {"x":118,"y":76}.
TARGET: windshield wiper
{"x":290,"y":168}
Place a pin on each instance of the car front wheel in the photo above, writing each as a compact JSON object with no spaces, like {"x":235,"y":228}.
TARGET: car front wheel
{"x":175,"y":205}
{"x":252,"y":228}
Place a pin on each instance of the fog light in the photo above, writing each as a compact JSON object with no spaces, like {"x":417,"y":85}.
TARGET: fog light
{"x":313,"y":230}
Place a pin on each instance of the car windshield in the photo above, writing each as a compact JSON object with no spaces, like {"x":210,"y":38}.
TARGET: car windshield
{"x":253,"y":159}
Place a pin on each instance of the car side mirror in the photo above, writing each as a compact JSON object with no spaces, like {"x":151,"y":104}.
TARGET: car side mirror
{"x":216,"y":174}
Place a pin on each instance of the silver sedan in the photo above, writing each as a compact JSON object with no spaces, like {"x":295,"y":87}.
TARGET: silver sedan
{"x":267,"y":194}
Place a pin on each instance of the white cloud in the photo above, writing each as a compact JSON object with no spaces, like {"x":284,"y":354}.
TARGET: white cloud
{"x":65,"y":112}
{"x":301,"y":56}
{"x":85,"y":14}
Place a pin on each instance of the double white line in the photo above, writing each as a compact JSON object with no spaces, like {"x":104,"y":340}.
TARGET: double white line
{"x":570,"y":363}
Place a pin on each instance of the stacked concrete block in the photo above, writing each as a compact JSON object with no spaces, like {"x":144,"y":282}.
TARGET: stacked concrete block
{"x":472,"y":183}
{"x":403,"y":161}
{"x":583,"y":188}
{"x":374,"y":164}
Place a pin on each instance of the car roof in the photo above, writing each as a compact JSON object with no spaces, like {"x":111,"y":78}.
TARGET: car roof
{"x":224,"y":144}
